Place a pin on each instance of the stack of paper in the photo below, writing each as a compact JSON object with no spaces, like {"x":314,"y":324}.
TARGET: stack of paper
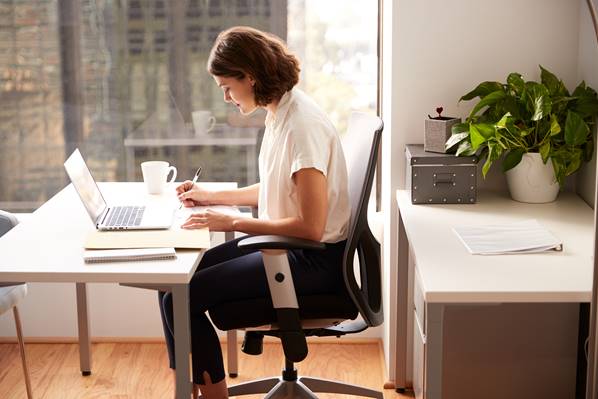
{"x":527,"y":236}
{"x":122,"y":255}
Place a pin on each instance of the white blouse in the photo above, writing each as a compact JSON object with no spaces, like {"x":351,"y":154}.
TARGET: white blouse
{"x":301,"y":136}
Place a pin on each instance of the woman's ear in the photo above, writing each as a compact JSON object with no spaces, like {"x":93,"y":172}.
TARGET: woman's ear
{"x":251,"y":80}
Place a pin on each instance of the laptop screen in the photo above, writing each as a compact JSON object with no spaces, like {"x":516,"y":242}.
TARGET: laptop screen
{"x":85,"y":185}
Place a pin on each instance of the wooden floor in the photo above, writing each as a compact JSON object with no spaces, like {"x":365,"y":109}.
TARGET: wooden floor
{"x":139,"y":370}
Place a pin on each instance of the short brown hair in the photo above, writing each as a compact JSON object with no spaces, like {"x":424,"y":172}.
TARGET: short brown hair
{"x":242,"y":51}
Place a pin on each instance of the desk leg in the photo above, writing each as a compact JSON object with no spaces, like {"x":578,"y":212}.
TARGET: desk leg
{"x":399,"y":324}
{"x":434,"y":320}
{"x":182,"y":339}
{"x":231,"y":336}
{"x":83,"y":325}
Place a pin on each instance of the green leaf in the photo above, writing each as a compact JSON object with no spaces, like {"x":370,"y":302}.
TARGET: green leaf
{"x":486,"y":129}
{"x":587,"y":107}
{"x":516,"y":83}
{"x":554,"y":85}
{"x":477,"y":139}
{"x":465,"y":149}
{"x":588,"y":150}
{"x":586,"y":102}
{"x":576,"y":130}
{"x":514,"y":106}
{"x":555,"y":128}
{"x":494,"y":152}
{"x":482,"y":90}
{"x":488,"y":100}
{"x":559,"y":170}
{"x":574,"y":162}
{"x":460,"y":128}
{"x":455,"y":139}
{"x":580,"y":89}
{"x":545,"y":151}
{"x":512,"y":159}
{"x":502,"y":123}
{"x":538,"y":100}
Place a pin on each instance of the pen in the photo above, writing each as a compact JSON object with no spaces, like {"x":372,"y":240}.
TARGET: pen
{"x":193,"y":182}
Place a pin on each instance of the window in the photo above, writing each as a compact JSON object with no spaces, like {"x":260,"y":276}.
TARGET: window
{"x":118,"y":69}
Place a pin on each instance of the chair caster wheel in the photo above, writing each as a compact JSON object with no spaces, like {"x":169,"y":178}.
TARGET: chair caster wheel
{"x":86,"y":373}
{"x":233,"y":375}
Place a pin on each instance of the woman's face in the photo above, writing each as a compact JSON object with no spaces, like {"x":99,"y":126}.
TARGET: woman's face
{"x":239,"y":92}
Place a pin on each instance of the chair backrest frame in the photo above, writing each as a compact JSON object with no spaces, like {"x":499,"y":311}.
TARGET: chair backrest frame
{"x":366,"y":133}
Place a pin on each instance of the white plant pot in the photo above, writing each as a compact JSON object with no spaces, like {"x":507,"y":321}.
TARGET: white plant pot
{"x":533,"y":181}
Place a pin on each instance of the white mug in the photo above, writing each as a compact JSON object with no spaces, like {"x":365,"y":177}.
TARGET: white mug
{"x":203,"y":122}
{"x":155,"y":174}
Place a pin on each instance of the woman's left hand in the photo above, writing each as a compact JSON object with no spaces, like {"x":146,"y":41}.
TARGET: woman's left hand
{"x":215,"y":221}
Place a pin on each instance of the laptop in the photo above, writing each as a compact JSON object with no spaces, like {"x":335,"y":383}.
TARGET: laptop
{"x":113,"y":217}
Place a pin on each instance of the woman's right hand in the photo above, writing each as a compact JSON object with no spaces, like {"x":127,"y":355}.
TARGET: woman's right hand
{"x":192,"y":195}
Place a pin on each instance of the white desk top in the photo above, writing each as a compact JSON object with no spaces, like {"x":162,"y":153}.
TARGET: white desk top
{"x":48,"y":246}
{"x":450,"y":274}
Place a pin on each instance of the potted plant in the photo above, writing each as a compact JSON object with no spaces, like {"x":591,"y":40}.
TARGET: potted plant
{"x":437,"y":131}
{"x":540,"y":130}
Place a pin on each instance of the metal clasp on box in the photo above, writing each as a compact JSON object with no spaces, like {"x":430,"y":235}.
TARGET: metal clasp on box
{"x":444,"y":179}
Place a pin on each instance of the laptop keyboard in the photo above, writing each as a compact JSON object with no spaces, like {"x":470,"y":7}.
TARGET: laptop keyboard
{"x":122,"y":216}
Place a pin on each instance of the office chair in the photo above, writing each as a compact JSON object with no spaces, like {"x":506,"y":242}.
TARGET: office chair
{"x":11,"y":295}
{"x":293,"y":318}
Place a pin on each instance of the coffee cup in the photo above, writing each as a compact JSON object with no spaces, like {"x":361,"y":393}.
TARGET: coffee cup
{"x":203,"y":122}
{"x":155,"y":175}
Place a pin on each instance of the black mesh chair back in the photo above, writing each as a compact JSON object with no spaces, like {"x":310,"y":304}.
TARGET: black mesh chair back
{"x":363,"y":138}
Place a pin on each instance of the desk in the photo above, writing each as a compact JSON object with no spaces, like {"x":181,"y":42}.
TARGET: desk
{"x":435,"y":272}
{"x":56,"y":232}
{"x":221,"y":135}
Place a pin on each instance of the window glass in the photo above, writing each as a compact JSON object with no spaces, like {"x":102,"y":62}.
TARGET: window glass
{"x":121,"y":80}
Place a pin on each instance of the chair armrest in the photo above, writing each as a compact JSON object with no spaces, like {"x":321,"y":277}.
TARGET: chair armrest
{"x":282,"y":288}
{"x":279,"y":242}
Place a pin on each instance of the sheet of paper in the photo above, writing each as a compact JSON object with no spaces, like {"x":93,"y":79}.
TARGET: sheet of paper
{"x":512,"y":238}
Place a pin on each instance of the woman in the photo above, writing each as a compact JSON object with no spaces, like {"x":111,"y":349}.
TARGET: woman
{"x":302,"y":193}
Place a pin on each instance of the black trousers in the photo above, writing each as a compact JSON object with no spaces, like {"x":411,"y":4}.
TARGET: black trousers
{"x":226,"y":274}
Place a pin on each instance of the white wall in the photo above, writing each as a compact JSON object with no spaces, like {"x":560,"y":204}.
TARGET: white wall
{"x":440,"y":50}
{"x":588,"y":71}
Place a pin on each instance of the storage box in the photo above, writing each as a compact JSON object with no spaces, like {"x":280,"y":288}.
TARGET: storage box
{"x":440,"y":178}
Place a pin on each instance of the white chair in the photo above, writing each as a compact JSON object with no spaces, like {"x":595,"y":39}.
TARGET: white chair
{"x":11,"y":295}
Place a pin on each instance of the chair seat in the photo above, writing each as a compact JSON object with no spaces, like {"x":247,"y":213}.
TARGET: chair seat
{"x":259,"y":312}
{"x":10,"y":296}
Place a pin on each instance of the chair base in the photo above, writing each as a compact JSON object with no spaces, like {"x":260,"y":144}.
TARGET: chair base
{"x":303,"y":387}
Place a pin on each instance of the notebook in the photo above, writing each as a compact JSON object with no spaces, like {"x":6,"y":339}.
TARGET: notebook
{"x":526,"y":236}
{"x":123,"y":255}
